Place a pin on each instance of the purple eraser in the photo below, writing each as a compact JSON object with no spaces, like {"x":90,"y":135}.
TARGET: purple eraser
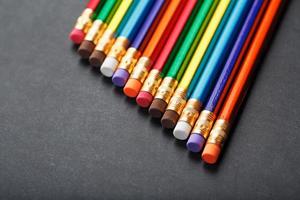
{"x":195,"y":143}
{"x":120,"y":77}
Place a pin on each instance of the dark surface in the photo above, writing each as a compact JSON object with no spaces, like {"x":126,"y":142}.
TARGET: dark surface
{"x":68,"y":133}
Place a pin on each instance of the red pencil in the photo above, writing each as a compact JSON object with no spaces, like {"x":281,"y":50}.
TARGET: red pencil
{"x":154,"y":78}
{"x":84,"y":22}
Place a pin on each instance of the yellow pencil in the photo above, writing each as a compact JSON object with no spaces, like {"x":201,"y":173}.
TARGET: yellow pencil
{"x":108,"y":37}
{"x":178,"y":100}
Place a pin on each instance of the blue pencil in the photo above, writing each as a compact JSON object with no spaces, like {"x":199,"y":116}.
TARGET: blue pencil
{"x":211,"y":70}
{"x":207,"y":117}
{"x":126,"y":33}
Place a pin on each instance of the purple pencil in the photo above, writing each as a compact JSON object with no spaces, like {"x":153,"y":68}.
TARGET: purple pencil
{"x":129,"y":60}
{"x":207,"y":117}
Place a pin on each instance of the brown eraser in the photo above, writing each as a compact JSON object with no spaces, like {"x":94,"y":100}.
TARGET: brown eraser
{"x":157,"y":108}
{"x":97,"y":58}
{"x":86,"y":49}
{"x":169,"y":119}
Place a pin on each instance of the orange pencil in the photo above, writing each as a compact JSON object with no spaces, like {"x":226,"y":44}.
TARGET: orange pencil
{"x":239,"y":88}
{"x":153,"y":48}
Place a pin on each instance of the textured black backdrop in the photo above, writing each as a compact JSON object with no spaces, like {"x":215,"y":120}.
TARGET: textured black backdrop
{"x":67,"y":133}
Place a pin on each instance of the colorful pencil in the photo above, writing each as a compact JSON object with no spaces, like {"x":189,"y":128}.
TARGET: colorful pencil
{"x":239,"y":88}
{"x":132,"y":55}
{"x":84,"y":22}
{"x":211,"y":71}
{"x":145,"y":96}
{"x":108,"y":37}
{"x":207,"y":117}
{"x":124,"y":39}
{"x":181,"y":61}
{"x":178,"y":99}
{"x":153,"y":49}
{"x":99,"y":25}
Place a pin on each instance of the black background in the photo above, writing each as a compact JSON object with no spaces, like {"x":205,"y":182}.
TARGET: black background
{"x":68,"y":133}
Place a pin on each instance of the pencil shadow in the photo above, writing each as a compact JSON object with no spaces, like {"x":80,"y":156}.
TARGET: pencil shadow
{"x":74,"y":47}
{"x":84,"y":62}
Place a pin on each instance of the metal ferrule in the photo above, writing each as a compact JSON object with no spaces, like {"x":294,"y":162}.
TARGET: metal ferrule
{"x":178,"y":101}
{"x":95,"y":31}
{"x":204,"y":123}
{"x":119,"y":48}
{"x":152,"y":82}
{"x":84,"y":22}
{"x":106,"y":41}
{"x":191,"y":112}
{"x":166,"y":89}
{"x":140,"y":71}
{"x":129,"y":59}
{"x":219,"y":133}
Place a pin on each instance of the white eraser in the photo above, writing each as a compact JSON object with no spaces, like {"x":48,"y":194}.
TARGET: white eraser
{"x":109,"y":66}
{"x":182,"y":130}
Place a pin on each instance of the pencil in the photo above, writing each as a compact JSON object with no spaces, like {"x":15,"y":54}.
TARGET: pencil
{"x":181,"y":60}
{"x":153,"y":48}
{"x":108,"y":37}
{"x":99,"y":25}
{"x":154,"y":78}
{"x":178,"y":99}
{"x":133,"y":53}
{"x":207,"y":117}
{"x":125,"y":37}
{"x":211,"y":70}
{"x":239,"y":88}
{"x":84,"y":22}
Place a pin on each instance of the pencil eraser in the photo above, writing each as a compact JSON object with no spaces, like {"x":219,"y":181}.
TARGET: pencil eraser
{"x":109,"y":66}
{"x":120,"y":77}
{"x":169,"y":119}
{"x":211,"y":153}
{"x":182,"y":130}
{"x":132,"y":88}
{"x":77,"y":36}
{"x":195,"y":143}
{"x":86,"y":49}
{"x":97,"y":58}
{"x":144,"y":99}
{"x":157,"y":108}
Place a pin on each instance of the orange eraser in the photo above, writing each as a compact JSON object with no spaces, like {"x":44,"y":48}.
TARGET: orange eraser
{"x":132,"y":87}
{"x":211,"y":153}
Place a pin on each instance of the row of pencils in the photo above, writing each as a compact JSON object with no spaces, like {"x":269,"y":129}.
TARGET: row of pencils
{"x":188,"y":61}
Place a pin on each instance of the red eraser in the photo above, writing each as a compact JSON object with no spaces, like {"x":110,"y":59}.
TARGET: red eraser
{"x":77,"y":36}
{"x":144,"y":99}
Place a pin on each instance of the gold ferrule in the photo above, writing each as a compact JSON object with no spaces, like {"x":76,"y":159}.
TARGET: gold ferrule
{"x":106,"y":41}
{"x":204,"y":123}
{"x":129,"y":59}
{"x":140,"y":71}
{"x":152,"y":82}
{"x":178,"y":101}
{"x":166,"y":89}
{"x":97,"y":29}
{"x":84,"y":22}
{"x":119,"y":48}
{"x":191,"y":111}
{"x":219,"y":132}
